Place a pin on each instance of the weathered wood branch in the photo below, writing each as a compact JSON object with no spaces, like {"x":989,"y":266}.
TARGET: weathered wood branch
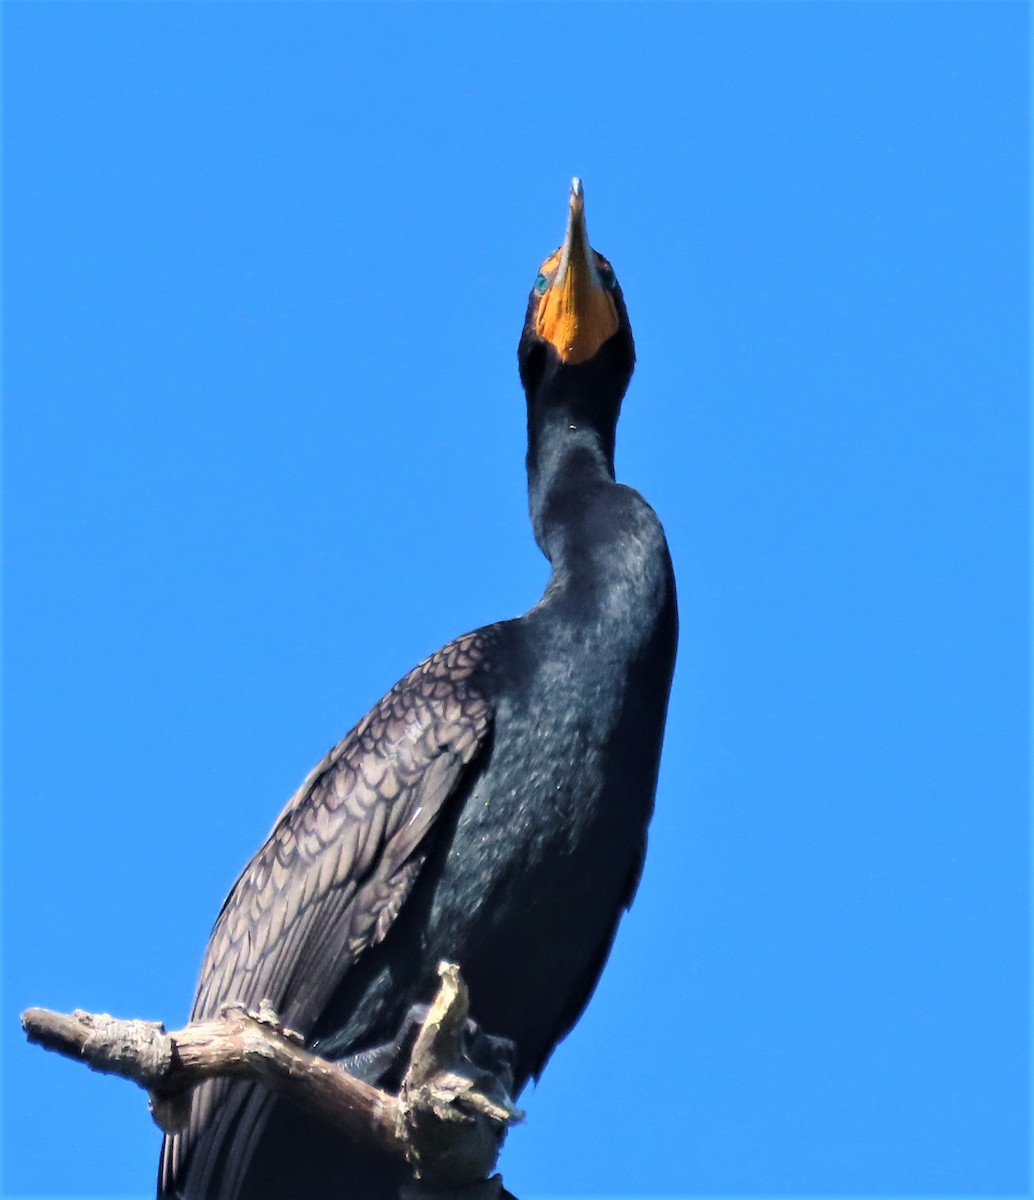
{"x":448,"y":1122}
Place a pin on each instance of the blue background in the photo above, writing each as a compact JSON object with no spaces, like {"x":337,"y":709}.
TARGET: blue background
{"x":266,"y":266}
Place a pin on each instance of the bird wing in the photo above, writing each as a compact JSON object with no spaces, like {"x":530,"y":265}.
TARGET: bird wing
{"x":337,"y":867}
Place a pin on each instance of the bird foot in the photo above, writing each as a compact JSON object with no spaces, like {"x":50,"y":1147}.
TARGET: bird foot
{"x":266,"y":1015}
{"x":384,"y":1065}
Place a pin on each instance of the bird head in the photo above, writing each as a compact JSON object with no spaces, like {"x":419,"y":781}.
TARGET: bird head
{"x":576,"y":320}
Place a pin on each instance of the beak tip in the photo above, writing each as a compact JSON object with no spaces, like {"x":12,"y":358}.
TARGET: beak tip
{"x":576,"y":203}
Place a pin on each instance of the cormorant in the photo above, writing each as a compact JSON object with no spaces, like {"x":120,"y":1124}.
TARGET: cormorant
{"x":490,"y":810}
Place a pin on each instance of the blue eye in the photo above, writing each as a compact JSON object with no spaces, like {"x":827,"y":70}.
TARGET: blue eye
{"x":542,"y":285}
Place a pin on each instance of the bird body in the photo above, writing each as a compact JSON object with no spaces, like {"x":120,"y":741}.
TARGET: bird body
{"x":491,"y":810}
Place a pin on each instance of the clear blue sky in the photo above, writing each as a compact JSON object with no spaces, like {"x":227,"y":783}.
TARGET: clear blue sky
{"x":266,"y":266}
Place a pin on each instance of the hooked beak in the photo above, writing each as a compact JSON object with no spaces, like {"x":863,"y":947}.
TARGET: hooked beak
{"x":577,"y":314}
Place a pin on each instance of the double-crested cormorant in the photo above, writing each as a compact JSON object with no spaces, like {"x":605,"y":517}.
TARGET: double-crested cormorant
{"x":490,"y":810}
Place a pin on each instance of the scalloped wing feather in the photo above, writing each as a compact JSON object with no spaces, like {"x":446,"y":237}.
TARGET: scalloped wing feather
{"x":333,"y":874}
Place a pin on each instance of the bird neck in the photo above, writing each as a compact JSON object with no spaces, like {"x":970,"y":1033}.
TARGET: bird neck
{"x":570,"y":455}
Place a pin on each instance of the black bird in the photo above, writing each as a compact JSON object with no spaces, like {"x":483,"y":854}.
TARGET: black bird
{"x":490,"y":810}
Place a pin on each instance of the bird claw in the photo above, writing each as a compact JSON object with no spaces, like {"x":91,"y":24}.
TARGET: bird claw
{"x":266,"y":1016}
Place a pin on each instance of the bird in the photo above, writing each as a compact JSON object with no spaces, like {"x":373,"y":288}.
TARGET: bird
{"x":490,"y":810}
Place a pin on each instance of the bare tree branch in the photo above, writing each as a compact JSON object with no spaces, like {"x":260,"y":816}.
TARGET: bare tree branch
{"x":448,"y":1121}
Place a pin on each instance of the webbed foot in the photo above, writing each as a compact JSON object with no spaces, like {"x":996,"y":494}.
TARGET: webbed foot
{"x":383,"y":1066}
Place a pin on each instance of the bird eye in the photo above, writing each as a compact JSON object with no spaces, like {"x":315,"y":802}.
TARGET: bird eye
{"x":542,"y":285}
{"x":606,"y":274}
